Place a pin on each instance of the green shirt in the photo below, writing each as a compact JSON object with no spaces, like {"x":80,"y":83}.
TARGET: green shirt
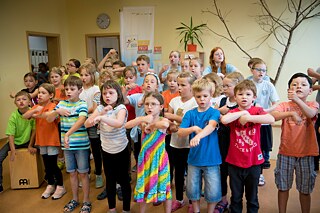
{"x":20,"y":128}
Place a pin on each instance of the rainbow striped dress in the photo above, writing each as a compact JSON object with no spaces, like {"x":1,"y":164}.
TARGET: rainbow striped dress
{"x":153,"y":178}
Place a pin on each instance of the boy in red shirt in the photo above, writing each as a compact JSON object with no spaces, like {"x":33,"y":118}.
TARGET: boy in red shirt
{"x":244,"y":155}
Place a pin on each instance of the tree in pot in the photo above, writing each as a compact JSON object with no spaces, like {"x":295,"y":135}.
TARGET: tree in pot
{"x":190,"y":35}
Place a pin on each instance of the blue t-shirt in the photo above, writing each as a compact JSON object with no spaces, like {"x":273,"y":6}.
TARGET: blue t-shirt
{"x":207,"y":153}
{"x":229,"y":69}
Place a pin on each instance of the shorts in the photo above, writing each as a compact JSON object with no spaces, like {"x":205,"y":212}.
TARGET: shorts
{"x":49,"y":150}
{"x":304,"y":169}
{"x":77,"y":160}
{"x":212,"y":183}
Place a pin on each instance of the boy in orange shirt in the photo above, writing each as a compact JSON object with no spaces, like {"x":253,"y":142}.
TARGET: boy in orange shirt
{"x":298,"y":144}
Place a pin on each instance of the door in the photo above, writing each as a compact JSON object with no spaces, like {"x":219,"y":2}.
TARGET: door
{"x":98,"y":45}
{"x":44,"y":47}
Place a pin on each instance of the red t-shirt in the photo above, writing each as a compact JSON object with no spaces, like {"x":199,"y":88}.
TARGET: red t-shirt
{"x":245,"y":149}
{"x":130,"y":108}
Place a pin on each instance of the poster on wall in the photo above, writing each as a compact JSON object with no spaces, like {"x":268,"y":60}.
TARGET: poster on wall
{"x":136,"y":33}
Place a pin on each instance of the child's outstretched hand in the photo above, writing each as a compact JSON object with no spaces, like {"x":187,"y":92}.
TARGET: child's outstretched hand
{"x":32,"y":150}
{"x":296,"y":118}
{"x":12,"y":155}
{"x":140,"y":103}
{"x":311,"y":72}
{"x":292,"y":95}
{"x":63,"y":112}
{"x":195,"y":141}
{"x":66,"y":141}
{"x":245,"y":118}
{"x":106,"y":109}
{"x":96,"y":120}
{"x":148,"y":119}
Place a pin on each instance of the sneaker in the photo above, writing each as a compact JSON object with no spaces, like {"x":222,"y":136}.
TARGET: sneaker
{"x":60,"y":191}
{"x":102,"y":195}
{"x":220,"y":207}
{"x":1,"y":188}
{"x":134,"y":169}
{"x":261,"y":180}
{"x":266,"y":165}
{"x":48,"y":192}
{"x":99,"y":181}
{"x":177,"y":205}
{"x":119,"y":193}
{"x":156,"y":203}
{"x":190,"y":208}
{"x":61,"y":165}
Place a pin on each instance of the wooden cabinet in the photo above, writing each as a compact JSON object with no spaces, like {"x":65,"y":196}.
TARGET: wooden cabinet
{"x":185,"y":55}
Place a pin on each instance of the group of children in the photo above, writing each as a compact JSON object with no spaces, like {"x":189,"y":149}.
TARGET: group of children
{"x":206,"y":126}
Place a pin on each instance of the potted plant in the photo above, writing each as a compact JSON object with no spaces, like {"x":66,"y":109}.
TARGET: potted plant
{"x":191,"y":34}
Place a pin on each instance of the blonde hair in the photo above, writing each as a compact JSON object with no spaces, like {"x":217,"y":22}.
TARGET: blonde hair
{"x":191,"y":77}
{"x":104,"y":74}
{"x":91,"y":70}
{"x":197,"y":59}
{"x":217,"y":81}
{"x":173,"y":72}
{"x":235,"y":77}
{"x":201,"y":84}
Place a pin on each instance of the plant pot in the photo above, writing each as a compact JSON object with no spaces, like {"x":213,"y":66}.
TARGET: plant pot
{"x":191,"y":47}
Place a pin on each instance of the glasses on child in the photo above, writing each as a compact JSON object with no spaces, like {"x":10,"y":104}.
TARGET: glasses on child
{"x":260,"y":70}
{"x":151,"y":104}
{"x":70,"y":65}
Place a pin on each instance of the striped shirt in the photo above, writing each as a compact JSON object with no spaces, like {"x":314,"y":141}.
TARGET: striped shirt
{"x":79,"y":139}
{"x":113,"y":140}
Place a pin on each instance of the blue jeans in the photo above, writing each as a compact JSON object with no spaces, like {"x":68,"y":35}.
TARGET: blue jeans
{"x":212,"y":184}
{"x":4,"y":153}
{"x":77,"y":160}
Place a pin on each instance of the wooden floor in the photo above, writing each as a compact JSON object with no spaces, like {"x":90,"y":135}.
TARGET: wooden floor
{"x":28,"y":200}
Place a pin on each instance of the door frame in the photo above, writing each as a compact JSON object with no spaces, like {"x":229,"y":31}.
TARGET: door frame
{"x":95,"y":35}
{"x":53,"y":45}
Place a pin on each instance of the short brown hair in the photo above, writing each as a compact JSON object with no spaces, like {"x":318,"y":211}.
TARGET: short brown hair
{"x":73,"y":81}
{"x":22,"y":93}
{"x":49,"y":87}
{"x":246,"y":85}
{"x":144,"y":58}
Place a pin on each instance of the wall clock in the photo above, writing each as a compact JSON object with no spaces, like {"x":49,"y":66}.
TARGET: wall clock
{"x":103,"y":21}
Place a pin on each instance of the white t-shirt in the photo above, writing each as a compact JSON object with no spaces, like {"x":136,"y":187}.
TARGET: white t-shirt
{"x":180,"y":108}
{"x":88,"y":95}
{"x":113,"y":140}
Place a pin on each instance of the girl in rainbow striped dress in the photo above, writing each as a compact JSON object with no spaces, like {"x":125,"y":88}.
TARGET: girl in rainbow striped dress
{"x":153,"y":178}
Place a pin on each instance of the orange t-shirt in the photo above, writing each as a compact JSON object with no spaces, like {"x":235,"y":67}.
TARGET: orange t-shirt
{"x":167,"y":95}
{"x":60,"y":95}
{"x":47,"y":134}
{"x":298,"y":140}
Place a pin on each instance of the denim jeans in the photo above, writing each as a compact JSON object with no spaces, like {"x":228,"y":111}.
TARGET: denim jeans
{"x":212,"y":185}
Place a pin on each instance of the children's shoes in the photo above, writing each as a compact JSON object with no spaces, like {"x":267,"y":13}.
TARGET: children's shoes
{"x":60,"y":191}
{"x":48,"y":192}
